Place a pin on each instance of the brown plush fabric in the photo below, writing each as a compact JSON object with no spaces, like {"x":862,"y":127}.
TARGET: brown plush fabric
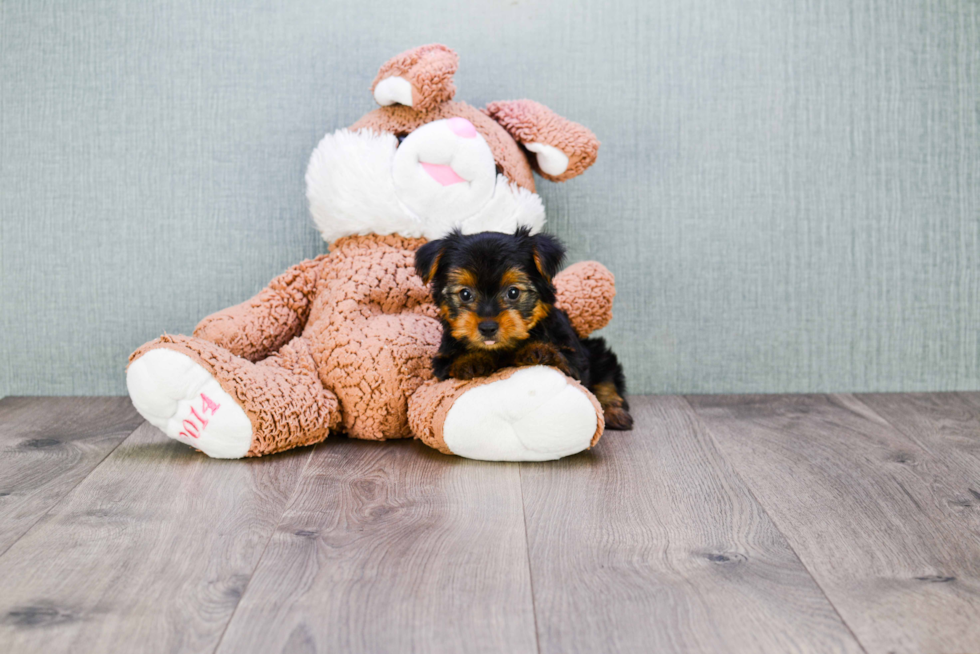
{"x":345,"y":341}
{"x":532,"y":122}
{"x":428,"y":407}
{"x":282,"y":395}
{"x":431,"y":403}
{"x":260,"y":326}
{"x":585,"y":292}
{"x":374,"y":331}
{"x":369,"y":336}
{"x":429,"y":69}
{"x":600,"y":419}
{"x":400,"y":120}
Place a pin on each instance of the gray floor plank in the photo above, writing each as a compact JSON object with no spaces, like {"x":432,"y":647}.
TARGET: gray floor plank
{"x":862,"y":506}
{"x":392,"y":547}
{"x":947,"y":425}
{"x":47,"y":446}
{"x":971,"y":397}
{"x":150,"y":553}
{"x":651,"y":543}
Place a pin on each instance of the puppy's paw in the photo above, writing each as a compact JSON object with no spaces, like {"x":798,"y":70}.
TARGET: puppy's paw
{"x":617,"y":418}
{"x":470,"y":366}
{"x":542,"y":354}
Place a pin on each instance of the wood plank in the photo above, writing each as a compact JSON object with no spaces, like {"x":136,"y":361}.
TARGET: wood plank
{"x":861,"y":505}
{"x":947,"y":425}
{"x":47,"y":446}
{"x":150,"y":553}
{"x":971,"y":397}
{"x":942,"y":423}
{"x":651,"y":543}
{"x":393,"y":547}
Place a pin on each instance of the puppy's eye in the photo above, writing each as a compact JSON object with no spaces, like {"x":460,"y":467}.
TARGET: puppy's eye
{"x":466,"y":295}
{"x":513,"y":293}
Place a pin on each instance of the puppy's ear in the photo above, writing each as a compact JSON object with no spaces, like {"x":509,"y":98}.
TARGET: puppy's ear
{"x":549,"y":254}
{"x":427,"y":259}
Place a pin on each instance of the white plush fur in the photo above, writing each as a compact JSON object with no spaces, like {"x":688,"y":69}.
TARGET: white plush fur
{"x":165,"y":385}
{"x":471,"y":160}
{"x":393,"y":90}
{"x":533,"y":415}
{"x":351,"y":190}
{"x":550,"y":159}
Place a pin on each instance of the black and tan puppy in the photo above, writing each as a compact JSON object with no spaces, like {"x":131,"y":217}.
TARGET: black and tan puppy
{"x":497,"y":305}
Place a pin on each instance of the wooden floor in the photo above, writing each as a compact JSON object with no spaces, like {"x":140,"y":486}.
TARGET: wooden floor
{"x":720,"y":524}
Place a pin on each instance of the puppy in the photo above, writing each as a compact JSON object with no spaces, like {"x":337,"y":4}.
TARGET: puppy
{"x":497,"y":305}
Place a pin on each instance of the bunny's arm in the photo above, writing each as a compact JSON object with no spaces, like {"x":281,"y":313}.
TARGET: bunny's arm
{"x":585,"y":292}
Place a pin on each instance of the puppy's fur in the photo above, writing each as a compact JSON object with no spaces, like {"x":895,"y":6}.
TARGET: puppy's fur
{"x":497,"y":305}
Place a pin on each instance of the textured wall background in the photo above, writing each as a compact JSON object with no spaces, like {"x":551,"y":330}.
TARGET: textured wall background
{"x":788,"y":193}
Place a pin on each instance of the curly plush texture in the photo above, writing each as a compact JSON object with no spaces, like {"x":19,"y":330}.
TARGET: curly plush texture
{"x":281,"y":395}
{"x":351,"y":191}
{"x":585,"y":292}
{"x":375,"y":330}
{"x":431,"y":403}
{"x":401,"y":120}
{"x":344,"y":342}
{"x":532,"y":122}
{"x":260,"y":326}
{"x":366,"y":349}
{"x":429,"y":69}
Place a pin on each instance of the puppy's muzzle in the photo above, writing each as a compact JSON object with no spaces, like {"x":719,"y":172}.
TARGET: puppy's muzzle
{"x":488,"y":328}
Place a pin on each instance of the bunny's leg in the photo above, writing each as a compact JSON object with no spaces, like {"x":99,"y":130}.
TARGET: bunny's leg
{"x":517,"y":414}
{"x":200,"y":394}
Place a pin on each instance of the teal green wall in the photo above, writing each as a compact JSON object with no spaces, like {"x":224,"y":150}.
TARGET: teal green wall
{"x":788,"y":193}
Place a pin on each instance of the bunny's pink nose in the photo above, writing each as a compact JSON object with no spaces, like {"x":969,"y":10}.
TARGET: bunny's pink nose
{"x":462,"y":127}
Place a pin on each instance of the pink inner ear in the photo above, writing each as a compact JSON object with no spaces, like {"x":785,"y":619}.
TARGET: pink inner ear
{"x":442,"y":173}
{"x":462,"y":127}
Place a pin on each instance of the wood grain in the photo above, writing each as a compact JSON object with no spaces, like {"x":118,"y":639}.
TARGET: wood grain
{"x":47,"y":446}
{"x":862,"y":505}
{"x":651,"y":543}
{"x":392,"y":547}
{"x":947,"y":425}
{"x":751,"y":524}
{"x":971,"y":397}
{"x":150,"y":553}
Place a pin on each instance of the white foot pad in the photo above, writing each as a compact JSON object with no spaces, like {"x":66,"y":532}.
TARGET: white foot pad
{"x":181,"y":399}
{"x":533,"y":415}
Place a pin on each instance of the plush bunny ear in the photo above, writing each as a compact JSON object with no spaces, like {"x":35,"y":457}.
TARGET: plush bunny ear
{"x":562,"y":149}
{"x":421,"y":78}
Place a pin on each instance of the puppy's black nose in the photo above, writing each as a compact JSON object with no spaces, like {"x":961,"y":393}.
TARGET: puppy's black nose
{"x":488,"y":328}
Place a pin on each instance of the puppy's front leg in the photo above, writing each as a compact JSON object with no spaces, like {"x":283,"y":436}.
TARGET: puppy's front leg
{"x":542,"y":354}
{"x":441,"y":365}
{"x":472,"y":364}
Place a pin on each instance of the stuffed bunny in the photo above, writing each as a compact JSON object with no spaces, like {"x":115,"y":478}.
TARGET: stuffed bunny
{"x":343,"y":342}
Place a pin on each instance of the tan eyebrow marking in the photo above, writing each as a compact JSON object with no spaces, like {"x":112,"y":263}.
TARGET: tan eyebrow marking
{"x":461,"y":277}
{"x":515,"y":277}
